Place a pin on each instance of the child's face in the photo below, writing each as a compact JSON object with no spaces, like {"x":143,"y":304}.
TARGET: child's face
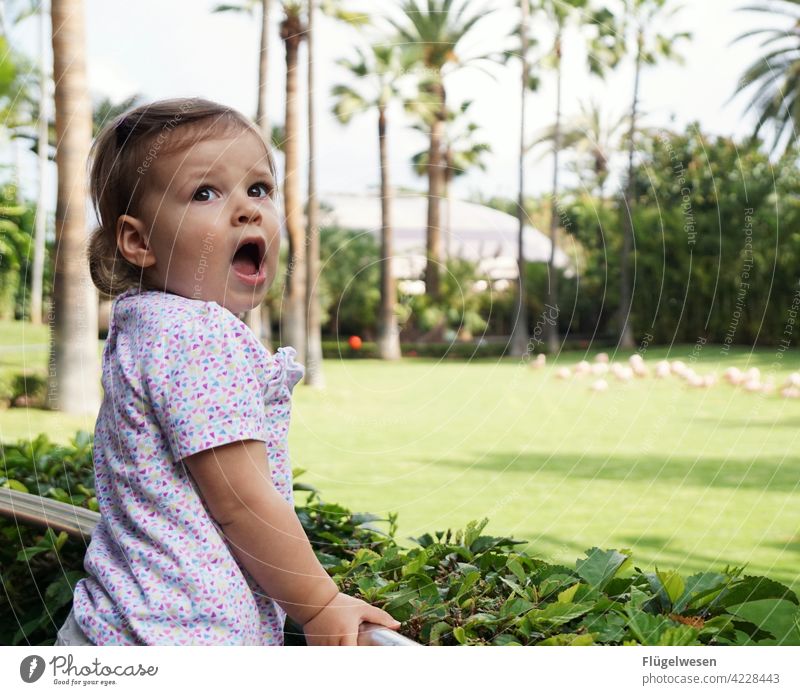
{"x":214,"y":229}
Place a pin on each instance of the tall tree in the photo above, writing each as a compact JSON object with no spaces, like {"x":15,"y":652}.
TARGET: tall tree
{"x":773,"y":78}
{"x":314,"y":376}
{"x":437,"y":30}
{"x":461,"y":151}
{"x":519,"y":329}
{"x":641,"y":25}
{"x":380,"y":70}
{"x":593,"y":136}
{"x":258,"y":317}
{"x":293,"y":324}
{"x":603,"y":52}
{"x":74,"y":375}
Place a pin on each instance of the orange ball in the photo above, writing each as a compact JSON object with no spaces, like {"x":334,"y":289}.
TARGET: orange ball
{"x":354,"y":342}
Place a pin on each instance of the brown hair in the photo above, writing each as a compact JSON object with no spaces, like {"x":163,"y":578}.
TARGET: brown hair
{"x":120,"y":158}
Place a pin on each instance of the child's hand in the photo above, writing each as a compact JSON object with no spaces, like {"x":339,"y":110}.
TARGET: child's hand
{"x":337,"y":623}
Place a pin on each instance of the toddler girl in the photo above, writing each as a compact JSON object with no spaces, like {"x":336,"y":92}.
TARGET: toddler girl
{"x":198,"y":542}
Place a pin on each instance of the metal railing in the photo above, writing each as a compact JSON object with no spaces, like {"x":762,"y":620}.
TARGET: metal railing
{"x":33,"y":510}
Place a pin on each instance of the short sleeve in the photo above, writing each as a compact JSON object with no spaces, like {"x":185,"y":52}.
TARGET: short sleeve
{"x":203,"y":381}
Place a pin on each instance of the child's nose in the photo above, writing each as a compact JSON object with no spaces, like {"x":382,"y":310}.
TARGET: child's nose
{"x":247,"y":211}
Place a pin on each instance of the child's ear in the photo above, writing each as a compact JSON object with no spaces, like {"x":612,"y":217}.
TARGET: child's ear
{"x":132,"y":241}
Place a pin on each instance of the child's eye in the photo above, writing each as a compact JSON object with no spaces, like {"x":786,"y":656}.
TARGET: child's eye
{"x":259,"y":190}
{"x":204,"y":193}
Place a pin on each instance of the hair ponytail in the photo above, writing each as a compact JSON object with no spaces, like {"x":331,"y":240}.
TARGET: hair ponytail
{"x":111,"y":272}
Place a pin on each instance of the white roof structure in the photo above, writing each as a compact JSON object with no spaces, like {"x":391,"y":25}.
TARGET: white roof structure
{"x":477,"y":233}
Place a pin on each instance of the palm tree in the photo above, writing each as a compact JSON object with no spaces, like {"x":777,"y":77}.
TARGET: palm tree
{"x":559,"y":14}
{"x":519,"y":331}
{"x":258,"y":316}
{"x":437,"y":31}
{"x":521,"y":41}
{"x":74,"y":375}
{"x":380,"y":69}
{"x":773,"y":77}
{"x":293,"y":32}
{"x":642,"y":38}
{"x":460,"y":152}
{"x":593,"y":136}
{"x":314,"y":376}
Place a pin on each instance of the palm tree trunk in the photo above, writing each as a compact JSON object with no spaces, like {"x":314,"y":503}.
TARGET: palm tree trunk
{"x":552,"y":285}
{"x":254,"y":316}
{"x":314,"y":376}
{"x":37,"y":272}
{"x":262,"y":117}
{"x":293,"y":314}
{"x":435,"y":191}
{"x":448,"y":203}
{"x":388,"y":333}
{"x":74,"y":371}
{"x":626,"y":335}
{"x":519,"y":329}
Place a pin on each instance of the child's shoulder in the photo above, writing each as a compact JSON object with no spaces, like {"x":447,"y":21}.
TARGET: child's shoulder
{"x":156,"y":311}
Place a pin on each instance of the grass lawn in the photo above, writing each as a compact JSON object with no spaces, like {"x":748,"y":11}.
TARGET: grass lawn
{"x":688,"y":479}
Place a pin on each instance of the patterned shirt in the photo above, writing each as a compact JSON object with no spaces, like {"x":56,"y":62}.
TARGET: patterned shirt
{"x":180,"y":376}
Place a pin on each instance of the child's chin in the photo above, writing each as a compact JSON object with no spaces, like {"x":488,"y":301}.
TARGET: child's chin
{"x":241,"y":305}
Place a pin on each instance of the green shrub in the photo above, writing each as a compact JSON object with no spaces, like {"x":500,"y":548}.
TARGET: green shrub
{"x":450,"y":588}
{"x":28,"y":390}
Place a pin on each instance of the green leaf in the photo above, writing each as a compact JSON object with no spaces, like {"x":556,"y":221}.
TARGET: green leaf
{"x":779,"y":617}
{"x":756,"y":588}
{"x":59,"y":592}
{"x":514,"y":565}
{"x":15,"y":485}
{"x":567,"y":640}
{"x":567,"y":595}
{"x":473,"y":531}
{"x":556,"y":614}
{"x":437,"y":631}
{"x":554,"y":583}
{"x":460,"y":635}
{"x":469,"y":581}
{"x":417,"y":563}
{"x":364,"y":556}
{"x":506,"y":640}
{"x":605,"y":627}
{"x":482,"y":619}
{"x":646,"y":628}
{"x":673,"y":584}
{"x":717,"y":625}
{"x":678,"y":636}
{"x":425,"y":587}
{"x":27,"y":553}
{"x":515,"y":606}
{"x":698,"y":586}
{"x":599,"y":567}
{"x":516,"y":588}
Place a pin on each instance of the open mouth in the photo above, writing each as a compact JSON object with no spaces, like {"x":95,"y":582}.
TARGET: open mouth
{"x":248,"y":260}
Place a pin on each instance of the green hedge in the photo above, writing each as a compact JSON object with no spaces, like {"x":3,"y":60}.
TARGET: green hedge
{"x":449,"y":588}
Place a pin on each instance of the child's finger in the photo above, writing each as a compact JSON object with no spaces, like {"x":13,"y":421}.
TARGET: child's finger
{"x":381,"y":617}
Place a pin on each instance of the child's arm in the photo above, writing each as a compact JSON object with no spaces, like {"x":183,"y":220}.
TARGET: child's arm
{"x":270,"y":542}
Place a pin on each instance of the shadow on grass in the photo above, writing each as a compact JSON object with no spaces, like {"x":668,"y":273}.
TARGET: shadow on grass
{"x":650,"y":552}
{"x":764,"y":474}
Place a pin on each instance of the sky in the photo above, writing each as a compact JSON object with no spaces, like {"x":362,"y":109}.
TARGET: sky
{"x":169,"y":48}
